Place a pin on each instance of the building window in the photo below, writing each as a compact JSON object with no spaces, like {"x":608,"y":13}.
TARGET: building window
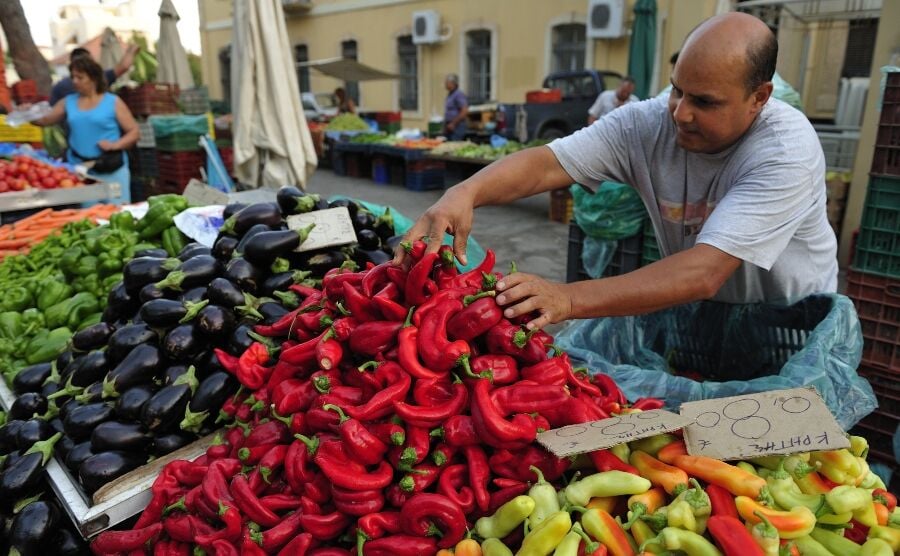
{"x":408,"y":54}
{"x":478,"y":59}
{"x":348,"y":50}
{"x":301,"y":54}
{"x":568,"y":47}
{"x":225,"y":71}
{"x":860,"y":48}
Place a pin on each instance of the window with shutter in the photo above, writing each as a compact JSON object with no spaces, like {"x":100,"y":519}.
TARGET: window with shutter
{"x":568,"y":47}
{"x":408,"y":55}
{"x":301,"y":54}
{"x":860,"y":46}
{"x":348,"y":50}
{"x":478,"y":58}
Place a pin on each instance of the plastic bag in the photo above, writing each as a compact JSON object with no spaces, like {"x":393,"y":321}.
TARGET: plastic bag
{"x":748,"y":348}
{"x":783,"y":91}
{"x":164,"y":126}
{"x":614,"y":212}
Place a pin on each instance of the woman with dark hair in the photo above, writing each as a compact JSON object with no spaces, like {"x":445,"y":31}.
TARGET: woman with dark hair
{"x":101,"y":128}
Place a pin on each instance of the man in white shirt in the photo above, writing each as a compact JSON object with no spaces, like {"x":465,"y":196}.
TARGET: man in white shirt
{"x":608,"y":101}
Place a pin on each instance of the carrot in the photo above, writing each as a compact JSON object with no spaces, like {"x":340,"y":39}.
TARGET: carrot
{"x":13,"y":243}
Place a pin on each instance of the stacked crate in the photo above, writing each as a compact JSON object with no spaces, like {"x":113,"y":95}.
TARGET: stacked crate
{"x":874,"y":279}
{"x":25,"y":92}
{"x":151,"y":98}
{"x":194,"y":101}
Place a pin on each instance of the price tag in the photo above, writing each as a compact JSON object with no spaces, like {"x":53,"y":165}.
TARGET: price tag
{"x":767,"y":423}
{"x":606,"y":433}
{"x":333,"y":228}
{"x":199,"y":194}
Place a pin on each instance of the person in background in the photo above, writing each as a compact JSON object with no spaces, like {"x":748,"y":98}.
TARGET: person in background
{"x":345,"y":104}
{"x":65,"y":87}
{"x":456,"y":108}
{"x":100,"y":125}
{"x":608,"y":101}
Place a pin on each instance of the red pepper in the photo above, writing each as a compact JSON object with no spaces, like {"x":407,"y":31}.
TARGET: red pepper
{"x":214,"y":486}
{"x":372,"y":338}
{"x":433,"y":391}
{"x":300,"y":354}
{"x":552,"y":371}
{"x":196,"y":503}
{"x":480,"y":314}
{"x":299,"y":545}
{"x":250,"y":505}
{"x":251,"y":372}
{"x":218,"y":450}
{"x":504,"y":495}
{"x":249,"y":545}
{"x":732,"y":537}
{"x":418,"y":282}
{"x":293,"y":395}
{"x":335,"y":464}
{"x":252,"y":455}
{"x":400,"y":545}
{"x":376,"y":525}
{"x":436,"y":350}
{"x":271,"y":461}
{"x":359,"y":443}
{"x":397,"y":276}
{"x":374,"y":279}
{"x":333,"y":285}
{"x":416,"y":447}
{"x":437,"y":299}
{"x":361,"y":307}
{"x":604,"y":460}
{"x":389,"y":433}
{"x":326,"y":551}
{"x":116,"y":542}
{"x":320,"y":420}
{"x":420,"y":478}
{"x":528,"y":348}
{"x":341,"y":395}
{"x":858,"y":533}
{"x":164,"y":489}
{"x":443,"y":454}
{"x":503,"y":368}
{"x":325,"y":527}
{"x":722,"y":501}
{"x":396,"y":496}
{"x":459,"y":431}
{"x":447,"y":270}
{"x":391,"y":292}
{"x":224,"y":548}
{"x":329,"y":351}
{"x":231,"y":517}
{"x":270,"y":432}
{"x":454,"y":484}
{"x":432,"y":416}
{"x":475,"y":277}
{"x":427,"y":514}
{"x":281,"y":502}
{"x":882,"y":496}
{"x":304,"y":291}
{"x":646,"y":404}
{"x":390,"y":309}
{"x":408,"y":352}
{"x":279,"y":535}
{"x":490,"y":423}
{"x":396,"y":384}
{"x":357,"y":502}
{"x":317,"y":489}
{"x":479,"y":475}
{"x":281,"y":327}
{"x":527,"y":397}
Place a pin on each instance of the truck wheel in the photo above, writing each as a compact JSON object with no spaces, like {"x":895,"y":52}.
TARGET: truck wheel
{"x":551,"y":133}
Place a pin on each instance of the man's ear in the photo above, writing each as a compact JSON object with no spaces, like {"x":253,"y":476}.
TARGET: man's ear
{"x":761,"y":96}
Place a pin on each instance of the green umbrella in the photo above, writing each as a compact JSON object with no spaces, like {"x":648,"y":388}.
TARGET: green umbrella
{"x":642,"y":49}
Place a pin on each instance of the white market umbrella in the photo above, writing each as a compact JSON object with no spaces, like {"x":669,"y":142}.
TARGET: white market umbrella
{"x":110,"y":49}
{"x":173,"y":63}
{"x":272,"y":143}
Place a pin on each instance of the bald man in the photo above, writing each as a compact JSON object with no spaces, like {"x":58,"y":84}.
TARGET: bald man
{"x":733,"y":180}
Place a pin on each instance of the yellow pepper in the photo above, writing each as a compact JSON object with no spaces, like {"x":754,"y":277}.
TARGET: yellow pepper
{"x":835,"y":543}
{"x":792,"y":524}
{"x":495,"y":547}
{"x":607,"y":483}
{"x":544,"y":538}
{"x":887,"y":534}
{"x":876,"y":547}
{"x":505,"y":519}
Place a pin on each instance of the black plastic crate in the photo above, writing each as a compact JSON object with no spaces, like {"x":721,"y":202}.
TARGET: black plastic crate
{"x":626,"y":258}
{"x":425,"y":180}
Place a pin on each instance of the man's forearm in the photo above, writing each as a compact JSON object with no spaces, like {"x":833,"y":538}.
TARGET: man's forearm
{"x":522,"y":174}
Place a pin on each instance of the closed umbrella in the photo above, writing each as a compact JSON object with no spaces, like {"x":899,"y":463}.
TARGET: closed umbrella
{"x":272,"y":143}
{"x":173,"y":64}
{"x":642,"y":49}
{"x":110,"y":49}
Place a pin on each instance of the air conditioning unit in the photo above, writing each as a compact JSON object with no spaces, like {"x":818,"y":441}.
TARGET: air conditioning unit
{"x":606,"y":19}
{"x":426,"y":26}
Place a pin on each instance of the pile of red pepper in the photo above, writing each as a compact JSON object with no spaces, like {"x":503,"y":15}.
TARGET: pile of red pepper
{"x":398,"y":408}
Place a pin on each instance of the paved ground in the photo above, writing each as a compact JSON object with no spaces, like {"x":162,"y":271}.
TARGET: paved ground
{"x":520,"y":231}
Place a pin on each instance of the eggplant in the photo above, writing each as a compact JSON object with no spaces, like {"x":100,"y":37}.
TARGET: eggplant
{"x":376,"y":257}
{"x":292,"y":200}
{"x":151,"y":292}
{"x":21,"y":477}
{"x":104,"y":467}
{"x":225,"y":293}
{"x":193,"y":249}
{"x":126,"y":339}
{"x":34,"y":529}
{"x":393,"y":242}
{"x":215,"y":321}
{"x":166,"y":408}
{"x":67,"y":407}
{"x":9,"y":434}
{"x":321,"y":263}
{"x":196,"y":271}
{"x":130,"y":404}
{"x":115,"y":435}
{"x":64,"y":446}
{"x":33,"y":431}
{"x":155,"y":253}
{"x":26,"y":405}
{"x":171,"y":374}
{"x":384,"y":225}
{"x":91,"y":394}
{"x":364,"y":220}
{"x":139,"y":272}
{"x":232,"y":208}
{"x":119,"y":303}
{"x":92,"y":337}
{"x":67,"y":543}
{"x":78,"y":454}
{"x":163,"y":313}
{"x":81,"y":421}
{"x":257,"y":213}
{"x":212,"y":392}
{"x":30,"y":379}
{"x":247,"y":276}
{"x":194,"y":295}
{"x":138,"y":367}
{"x":223,"y":248}
{"x":64,"y":359}
{"x":57,"y":425}
{"x":167,"y":443}
{"x":240,"y":339}
{"x":242,"y":243}
{"x":282,"y":281}
{"x":182,"y":342}
{"x":50,"y":388}
{"x":368,"y":240}
{"x":263,"y":248}
{"x":272,"y":312}
{"x":352,"y":207}
{"x":89,"y":368}
{"x":207,"y":363}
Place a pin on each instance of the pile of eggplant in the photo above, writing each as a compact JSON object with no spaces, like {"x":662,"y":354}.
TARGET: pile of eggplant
{"x":145,"y":380}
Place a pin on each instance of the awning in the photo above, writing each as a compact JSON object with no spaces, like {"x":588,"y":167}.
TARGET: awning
{"x":346,"y":69}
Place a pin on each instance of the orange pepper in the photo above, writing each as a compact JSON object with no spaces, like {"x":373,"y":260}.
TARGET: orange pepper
{"x":605,"y":503}
{"x":444,"y":552}
{"x":730,"y":477}
{"x":603,"y":527}
{"x":467,"y":547}
{"x":661,"y":474}
{"x":668,"y":452}
{"x":644,"y":504}
{"x":882,"y":514}
{"x":795,"y":523}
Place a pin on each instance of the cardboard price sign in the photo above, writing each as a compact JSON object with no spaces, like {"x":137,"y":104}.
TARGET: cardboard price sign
{"x":333,"y":228}
{"x":763,"y":424}
{"x":200,"y":194}
{"x":606,"y":433}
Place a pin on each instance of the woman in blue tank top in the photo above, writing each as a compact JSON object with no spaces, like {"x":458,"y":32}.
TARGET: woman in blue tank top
{"x":98,"y":122}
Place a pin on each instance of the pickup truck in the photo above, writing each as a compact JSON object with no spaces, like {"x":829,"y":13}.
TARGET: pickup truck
{"x":525,"y":122}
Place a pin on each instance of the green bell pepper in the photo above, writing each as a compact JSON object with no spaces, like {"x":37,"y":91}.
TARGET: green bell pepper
{"x":109,"y":263}
{"x":156,"y":220}
{"x":11,"y":326}
{"x":168,"y":199}
{"x":47,"y":346}
{"x":86,"y":265}
{"x":90,"y":320}
{"x":17,"y":299}
{"x":33,"y":319}
{"x":70,"y":258}
{"x":52,"y":291}
{"x":81,"y":306}
{"x":173,"y":240}
{"x":122,"y":221}
{"x":57,"y":315}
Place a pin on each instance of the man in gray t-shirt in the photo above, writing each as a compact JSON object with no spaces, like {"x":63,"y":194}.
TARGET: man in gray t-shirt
{"x":734,"y":182}
{"x":607,"y":101}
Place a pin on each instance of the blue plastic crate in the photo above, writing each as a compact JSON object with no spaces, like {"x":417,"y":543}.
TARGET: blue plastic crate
{"x":337,"y":163}
{"x":381,"y":172}
{"x":426,"y":180}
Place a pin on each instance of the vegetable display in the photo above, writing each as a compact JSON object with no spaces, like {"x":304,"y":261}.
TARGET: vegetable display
{"x":23,"y":172}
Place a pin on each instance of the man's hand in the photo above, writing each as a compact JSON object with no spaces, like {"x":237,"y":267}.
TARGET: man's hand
{"x":452,"y":213}
{"x":451,"y":126}
{"x":106,"y":145}
{"x":525,"y":293}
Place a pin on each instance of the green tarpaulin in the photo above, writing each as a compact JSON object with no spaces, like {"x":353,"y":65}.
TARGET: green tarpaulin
{"x":642,"y":49}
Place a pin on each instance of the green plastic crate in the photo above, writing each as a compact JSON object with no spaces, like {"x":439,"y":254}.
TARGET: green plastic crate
{"x":392,"y":127}
{"x":650,"y":250}
{"x":178,"y":142}
{"x":878,"y":246}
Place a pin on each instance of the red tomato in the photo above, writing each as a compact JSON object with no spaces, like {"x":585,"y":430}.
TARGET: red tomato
{"x":4,"y":187}
{"x":66,"y":183}
{"x":18,"y":185}
{"x":49,"y":183}
{"x":43,"y":172}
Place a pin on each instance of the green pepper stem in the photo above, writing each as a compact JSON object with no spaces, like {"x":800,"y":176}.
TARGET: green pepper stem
{"x":340,"y":412}
{"x":467,"y":369}
{"x":366,"y":366}
{"x":322,"y":384}
{"x":312,"y":444}
{"x":469,"y":299}
{"x":409,"y":314}
{"x":539,"y":473}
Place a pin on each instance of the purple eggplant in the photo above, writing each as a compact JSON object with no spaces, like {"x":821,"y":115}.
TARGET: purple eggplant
{"x":20,"y":478}
{"x":263,"y":248}
{"x":192,"y":250}
{"x":34,"y":529}
{"x":126,"y":339}
{"x":182,"y":342}
{"x":31,"y":379}
{"x":27,"y":405}
{"x":225,"y":293}
{"x":208,"y":398}
{"x":215,"y":321}
{"x":104,"y":467}
{"x":196,"y":271}
{"x":247,"y":276}
{"x":166,"y":408}
{"x":130,"y":404}
{"x":33,"y":431}
{"x":78,"y":454}
{"x":81,"y":421}
{"x":167,"y":443}
{"x":116,"y":435}
{"x":139,"y":272}
{"x":257,"y":213}
{"x":223,"y":248}
{"x":163,"y":313}
{"x":88,"y":369}
{"x":138,"y":367}
{"x":92,"y":337}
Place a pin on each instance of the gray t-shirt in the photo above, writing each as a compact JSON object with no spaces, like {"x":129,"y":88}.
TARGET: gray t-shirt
{"x":606,"y":102}
{"x":762,"y":200}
